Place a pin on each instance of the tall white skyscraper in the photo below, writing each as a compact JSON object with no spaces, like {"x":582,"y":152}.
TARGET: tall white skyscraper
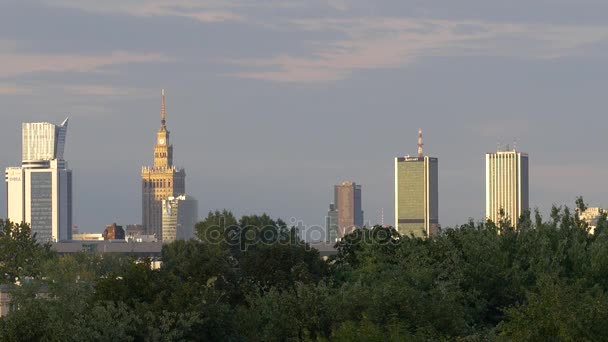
{"x":506,"y":185}
{"x":40,"y":191}
{"x":180,"y":215}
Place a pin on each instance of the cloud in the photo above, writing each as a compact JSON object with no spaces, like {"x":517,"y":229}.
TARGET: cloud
{"x":207,"y":11}
{"x":12,"y":89}
{"x":14,"y":63}
{"x":380,"y":42}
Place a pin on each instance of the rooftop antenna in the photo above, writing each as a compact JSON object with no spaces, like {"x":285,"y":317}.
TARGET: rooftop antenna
{"x":382,"y":217}
{"x":515,"y":144}
{"x":420,"y":144}
{"x":162,"y":109}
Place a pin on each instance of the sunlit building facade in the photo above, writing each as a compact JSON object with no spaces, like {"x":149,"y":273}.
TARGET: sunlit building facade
{"x":180,"y":215}
{"x":417,"y":194}
{"x":507,"y":186}
{"x":161,"y":181}
{"x":347,"y":199}
{"x":40,"y":191}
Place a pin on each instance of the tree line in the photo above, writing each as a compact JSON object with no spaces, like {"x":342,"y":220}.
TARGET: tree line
{"x":253,"y":279}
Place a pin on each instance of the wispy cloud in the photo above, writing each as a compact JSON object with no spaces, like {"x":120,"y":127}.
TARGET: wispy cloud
{"x":11,"y":89}
{"x":15,"y":63}
{"x":380,"y":42}
{"x":208,"y":11}
{"x":102,"y":90}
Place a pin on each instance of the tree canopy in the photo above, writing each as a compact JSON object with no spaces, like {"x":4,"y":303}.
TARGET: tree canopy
{"x":253,"y":279}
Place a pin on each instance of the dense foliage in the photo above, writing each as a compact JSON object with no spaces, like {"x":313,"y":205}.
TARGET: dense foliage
{"x":253,"y":280}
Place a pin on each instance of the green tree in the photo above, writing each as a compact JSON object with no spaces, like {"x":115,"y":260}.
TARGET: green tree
{"x":20,"y":254}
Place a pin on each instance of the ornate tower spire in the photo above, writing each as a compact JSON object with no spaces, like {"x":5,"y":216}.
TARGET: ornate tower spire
{"x":420,"y":144}
{"x":162,"y":109}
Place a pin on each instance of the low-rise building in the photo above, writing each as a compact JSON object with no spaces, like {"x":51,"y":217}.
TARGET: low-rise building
{"x":87,"y":237}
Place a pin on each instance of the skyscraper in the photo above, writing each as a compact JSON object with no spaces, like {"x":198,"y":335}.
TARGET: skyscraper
{"x":331,"y":224}
{"x":180,"y":215}
{"x":347,"y":197}
{"x":417,"y":194}
{"x":40,"y":191}
{"x":506,"y":185}
{"x":161,"y":180}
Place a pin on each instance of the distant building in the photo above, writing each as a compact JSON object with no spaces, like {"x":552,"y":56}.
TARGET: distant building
{"x":5,"y":299}
{"x":161,"y":180}
{"x":592,"y":216}
{"x":40,"y":191}
{"x":87,"y":237}
{"x":114,"y":232}
{"x":134,"y":230}
{"x":507,"y":185}
{"x":347,"y":199}
{"x":417,"y":194}
{"x":180,"y":215}
{"x":6,"y":304}
{"x":331,"y":224}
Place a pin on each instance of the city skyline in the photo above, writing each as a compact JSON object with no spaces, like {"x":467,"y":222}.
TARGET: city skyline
{"x":275,"y":104}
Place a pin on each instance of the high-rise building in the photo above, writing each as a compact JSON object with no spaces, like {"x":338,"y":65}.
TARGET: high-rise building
{"x":40,"y":191}
{"x":161,"y":180}
{"x":331,"y":224}
{"x":180,"y":215}
{"x":417,"y":194}
{"x":347,"y":199}
{"x":506,"y":185}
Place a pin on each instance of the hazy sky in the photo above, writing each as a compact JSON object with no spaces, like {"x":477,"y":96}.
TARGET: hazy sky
{"x":272,"y":102}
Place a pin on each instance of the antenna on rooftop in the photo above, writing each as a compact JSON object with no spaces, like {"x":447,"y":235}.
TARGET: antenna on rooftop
{"x":420,"y":144}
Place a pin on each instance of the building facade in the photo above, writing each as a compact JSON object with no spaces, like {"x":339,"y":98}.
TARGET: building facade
{"x":40,"y":191}
{"x":87,"y":237}
{"x":113,"y":232}
{"x":331,"y":224}
{"x":347,"y":199}
{"x":507,"y":186}
{"x":160,"y":181}
{"x":591,"y":216}
{"x":417,"y":194}
{"x":180,"y":215}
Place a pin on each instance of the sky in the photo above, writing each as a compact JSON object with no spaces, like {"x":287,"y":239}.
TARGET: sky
{"x":270,"y":103}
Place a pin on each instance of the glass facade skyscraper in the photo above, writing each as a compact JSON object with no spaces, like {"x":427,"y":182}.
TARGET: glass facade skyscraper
{"x":180,"y":215}
{"x":416,"y":196}
{"x":43,"y":141}
{"x":40,"y":191}
{"x":347,"y":199}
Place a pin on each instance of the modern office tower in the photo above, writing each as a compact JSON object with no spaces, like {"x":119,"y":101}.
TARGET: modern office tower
{"x":160,"y":181}
{"x":506,"y":185}
{"x":417,"y":194}
{"x":40,"y":191}
{"x":347,"y":198}
{"x":331,"y":224}
{"x":180,"y":215}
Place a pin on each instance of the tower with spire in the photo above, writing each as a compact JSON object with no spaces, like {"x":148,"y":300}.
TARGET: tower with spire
{"x":417,"y":193}
{"x":161,"y":181}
